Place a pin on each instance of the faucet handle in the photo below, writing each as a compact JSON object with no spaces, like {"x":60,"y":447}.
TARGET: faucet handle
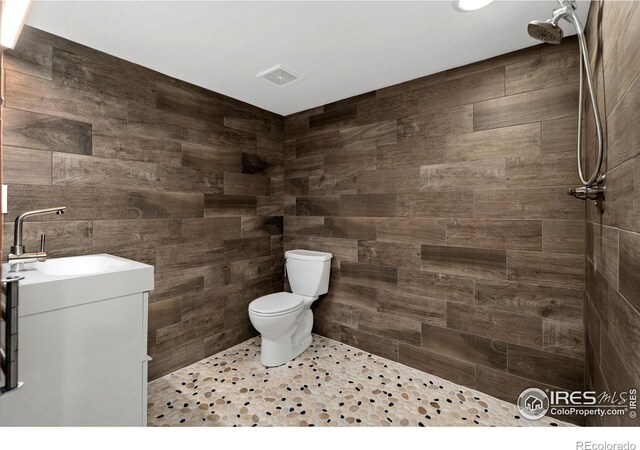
{"x":42,"y":242}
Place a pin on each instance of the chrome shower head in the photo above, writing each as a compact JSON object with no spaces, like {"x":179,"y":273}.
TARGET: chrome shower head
{"x":546,"y":31}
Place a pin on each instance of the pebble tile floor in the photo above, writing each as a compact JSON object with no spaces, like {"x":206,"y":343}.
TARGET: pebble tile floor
{"x":330,"y":384}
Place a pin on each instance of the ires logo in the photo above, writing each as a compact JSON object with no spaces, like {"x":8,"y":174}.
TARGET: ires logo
{"x":534,"y":403}
{"x":564,"y":398}
{"x":590,"y":398}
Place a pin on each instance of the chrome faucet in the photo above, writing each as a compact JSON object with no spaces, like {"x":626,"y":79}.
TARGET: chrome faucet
{"x":17,"y":252}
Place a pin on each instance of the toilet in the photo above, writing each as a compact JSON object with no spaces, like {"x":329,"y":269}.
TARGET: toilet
{"x":285,"y":319}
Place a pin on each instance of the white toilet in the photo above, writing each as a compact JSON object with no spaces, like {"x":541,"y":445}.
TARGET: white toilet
{"x":284,"y":320}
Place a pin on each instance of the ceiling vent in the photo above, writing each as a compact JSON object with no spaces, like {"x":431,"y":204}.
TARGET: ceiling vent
{"x":280,"y":76}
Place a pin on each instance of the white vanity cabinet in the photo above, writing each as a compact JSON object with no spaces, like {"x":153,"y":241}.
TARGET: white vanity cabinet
{"x":82,"y":344}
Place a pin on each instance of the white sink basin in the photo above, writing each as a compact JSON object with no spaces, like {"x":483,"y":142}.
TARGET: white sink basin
{"x":64,"y":282}
{"x":81,"y":265}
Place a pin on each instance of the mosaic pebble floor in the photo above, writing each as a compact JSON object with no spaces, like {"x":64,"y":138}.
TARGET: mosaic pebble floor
{"x":330,"y":384}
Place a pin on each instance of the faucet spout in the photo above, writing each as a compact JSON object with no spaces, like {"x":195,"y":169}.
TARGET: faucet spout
{"x":17,"y":249}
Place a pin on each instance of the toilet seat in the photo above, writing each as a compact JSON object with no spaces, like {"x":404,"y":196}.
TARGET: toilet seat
{"x":278,"y":304}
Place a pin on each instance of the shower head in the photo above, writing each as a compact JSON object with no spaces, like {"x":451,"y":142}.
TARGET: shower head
{"x":546,"y":31}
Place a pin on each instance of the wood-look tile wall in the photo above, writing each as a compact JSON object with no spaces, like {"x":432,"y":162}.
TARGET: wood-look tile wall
{"x":1,"y":139}
{"x":443,"y":199}
{"x":613,"y":236}
{"x":152,"y":169}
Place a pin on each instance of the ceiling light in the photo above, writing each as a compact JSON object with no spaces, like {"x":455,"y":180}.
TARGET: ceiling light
{"x":470,"y":5}
{"x":12,"y":18}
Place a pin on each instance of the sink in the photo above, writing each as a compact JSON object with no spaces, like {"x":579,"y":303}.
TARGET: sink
{"x":83,"y":342}
{"x":64,"y":282}
{"x":81,"y":265}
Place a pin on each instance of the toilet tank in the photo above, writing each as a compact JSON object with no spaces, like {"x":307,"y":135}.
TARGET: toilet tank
{"x":308,"y":272}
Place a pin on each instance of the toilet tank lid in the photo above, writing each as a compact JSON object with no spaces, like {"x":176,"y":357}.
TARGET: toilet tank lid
{"x":308,"y":255}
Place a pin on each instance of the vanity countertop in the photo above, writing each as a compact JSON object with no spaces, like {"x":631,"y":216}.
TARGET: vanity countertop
{"x":64,"y":282}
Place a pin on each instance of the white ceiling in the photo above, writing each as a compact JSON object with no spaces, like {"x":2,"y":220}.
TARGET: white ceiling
{"x":341,"y":48}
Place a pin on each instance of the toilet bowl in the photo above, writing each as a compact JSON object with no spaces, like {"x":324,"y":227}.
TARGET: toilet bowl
{"x":276,"y":316}
{"x":285,"y":319}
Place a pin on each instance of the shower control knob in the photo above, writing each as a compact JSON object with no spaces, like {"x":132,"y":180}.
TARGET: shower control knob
{"x":587,"y":192}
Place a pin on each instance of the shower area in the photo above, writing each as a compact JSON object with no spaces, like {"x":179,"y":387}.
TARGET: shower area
{"x":457,"y":249}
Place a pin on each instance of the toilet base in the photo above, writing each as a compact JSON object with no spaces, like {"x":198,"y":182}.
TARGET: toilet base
{"x":280,"y":351}
{"x":301,"y":346}
{"x":277,"y":353}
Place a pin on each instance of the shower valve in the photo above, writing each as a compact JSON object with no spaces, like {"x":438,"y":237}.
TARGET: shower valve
{"x":594,"y":192}
{"x":586,"y":192}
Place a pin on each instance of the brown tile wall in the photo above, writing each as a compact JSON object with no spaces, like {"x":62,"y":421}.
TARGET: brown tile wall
{"x":152,"y":169}
{"x":444,"y":202}
{"x":1,"y":146}
{"x":613,"y":235}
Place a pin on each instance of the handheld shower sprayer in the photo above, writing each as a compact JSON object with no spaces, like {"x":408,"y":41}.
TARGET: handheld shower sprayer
{"x":550,"y":32}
